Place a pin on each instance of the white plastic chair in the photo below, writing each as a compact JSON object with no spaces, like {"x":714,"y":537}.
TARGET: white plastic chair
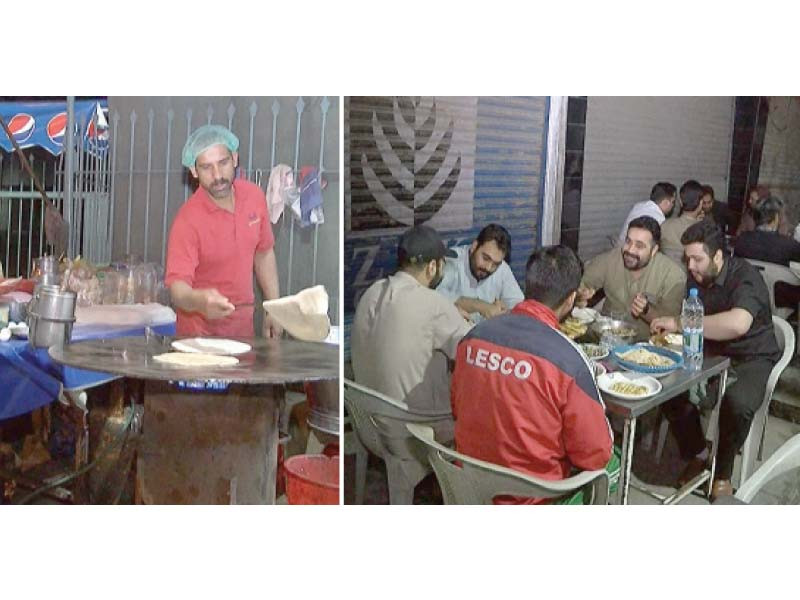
{"x":758,"y":429}
{"x":380,"y":425}
{"x":352,"y":445}
{"x":478,"y":482}
{"x":785,"y":459}
{"x":771,"y":273}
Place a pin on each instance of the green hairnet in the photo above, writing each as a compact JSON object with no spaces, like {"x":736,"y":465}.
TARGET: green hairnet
{"x":203,"y":138}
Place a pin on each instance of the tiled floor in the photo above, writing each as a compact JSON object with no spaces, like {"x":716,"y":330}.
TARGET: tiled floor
{"x":784,"y":490}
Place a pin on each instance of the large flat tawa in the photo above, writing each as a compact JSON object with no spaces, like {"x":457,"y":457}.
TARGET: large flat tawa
{"x":270,"y":361}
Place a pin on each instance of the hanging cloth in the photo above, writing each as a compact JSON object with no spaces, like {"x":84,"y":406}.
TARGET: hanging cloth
{"x":281,"y":190}
{"x":310,"y":184}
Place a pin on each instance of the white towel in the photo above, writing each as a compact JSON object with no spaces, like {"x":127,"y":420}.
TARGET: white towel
{"x":281,"y":180}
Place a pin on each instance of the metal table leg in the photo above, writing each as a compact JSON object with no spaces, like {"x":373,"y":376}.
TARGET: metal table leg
{"x":628,"y":434}
{"x":714,"y":427}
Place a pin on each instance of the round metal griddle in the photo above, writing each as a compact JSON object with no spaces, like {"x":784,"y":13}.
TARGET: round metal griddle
{"x":269,"y":361}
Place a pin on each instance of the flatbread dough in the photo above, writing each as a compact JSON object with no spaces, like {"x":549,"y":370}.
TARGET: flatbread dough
{"x":211,"y":346}
{"x":196,"y":359}
{"x":304,"y":315}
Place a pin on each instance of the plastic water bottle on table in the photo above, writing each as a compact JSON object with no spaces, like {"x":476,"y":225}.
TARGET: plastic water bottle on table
{"x":692,"y":325}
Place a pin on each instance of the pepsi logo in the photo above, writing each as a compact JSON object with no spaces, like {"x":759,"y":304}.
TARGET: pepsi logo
{"x":56,"y":128}
{"x":97,"y":131}
{"x":21,"y":127}
{"x":97,"y":135}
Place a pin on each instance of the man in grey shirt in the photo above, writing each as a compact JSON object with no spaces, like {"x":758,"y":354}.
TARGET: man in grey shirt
{"x":478,"y":279}
{"x":404,"y":332}
{"x":691,"y":212}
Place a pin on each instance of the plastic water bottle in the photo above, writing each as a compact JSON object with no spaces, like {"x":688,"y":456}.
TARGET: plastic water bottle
{"x":692,"y":324}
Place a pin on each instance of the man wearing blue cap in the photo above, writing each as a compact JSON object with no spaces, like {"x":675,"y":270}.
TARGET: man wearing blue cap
{"x":219,"y":237}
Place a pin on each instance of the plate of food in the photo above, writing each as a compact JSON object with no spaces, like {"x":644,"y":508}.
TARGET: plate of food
{"x":629,"y":386}
{"x":647,"y":358}
{"x":572,"y":327}
{"x":219,"y":346}
{"x":585,"y":315}
{"x":672,"y":341}
{"x":617,"y":331}
{"x":594,"y":351}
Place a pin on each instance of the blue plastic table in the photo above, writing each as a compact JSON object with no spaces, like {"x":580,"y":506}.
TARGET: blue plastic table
{"x":30,"y":379}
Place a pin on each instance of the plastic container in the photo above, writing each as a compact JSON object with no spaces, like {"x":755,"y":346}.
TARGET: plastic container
{"x":144,"y":280}
{"x":312,"y":479}
{"x":692,"y":325}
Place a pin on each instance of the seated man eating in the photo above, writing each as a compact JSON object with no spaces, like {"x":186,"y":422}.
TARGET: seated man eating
{"x":638,"y":280}
{"x":523,"y":394}
{"x":478,"y":278}
{"x":737,"y":324}
{"x":404,"y":332}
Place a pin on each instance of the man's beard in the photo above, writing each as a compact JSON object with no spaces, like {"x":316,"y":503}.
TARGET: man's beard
{"x":634,"y":266}
{"x":478,"y":274}
{"x":223,"y":188}
{"x":708,"y":277}
{"x":437,"y":278}
{"x":668,"y":214}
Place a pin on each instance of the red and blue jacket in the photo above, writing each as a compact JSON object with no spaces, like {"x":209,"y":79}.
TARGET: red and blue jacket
{"x":525,"y":397}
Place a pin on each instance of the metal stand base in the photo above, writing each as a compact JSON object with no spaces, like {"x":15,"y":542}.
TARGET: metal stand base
{"x":208,"y":448}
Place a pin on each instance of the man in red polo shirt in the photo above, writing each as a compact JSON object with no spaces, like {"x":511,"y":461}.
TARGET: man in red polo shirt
{"x":219,"y":237}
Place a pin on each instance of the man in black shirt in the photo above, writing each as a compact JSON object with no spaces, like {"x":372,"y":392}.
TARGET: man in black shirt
{"x":737,"y":324}
{"x":716,"y":211}
{"x":765,"y":243}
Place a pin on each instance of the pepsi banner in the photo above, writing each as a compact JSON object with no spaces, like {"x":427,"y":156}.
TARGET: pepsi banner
{"x":44,"y":124}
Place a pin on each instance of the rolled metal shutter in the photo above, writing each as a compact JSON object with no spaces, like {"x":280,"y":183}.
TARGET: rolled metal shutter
{"x":397,"y":146}
{"x":632,"y":143}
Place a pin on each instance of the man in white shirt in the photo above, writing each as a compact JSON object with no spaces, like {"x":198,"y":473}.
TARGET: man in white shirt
{"x":478,"y":280}
{"x":404,"y":332}
{"x":659,"y":206}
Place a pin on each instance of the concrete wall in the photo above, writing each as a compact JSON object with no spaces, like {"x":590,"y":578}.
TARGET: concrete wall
{"x":780,"y":158}
{"x":633,"y":142}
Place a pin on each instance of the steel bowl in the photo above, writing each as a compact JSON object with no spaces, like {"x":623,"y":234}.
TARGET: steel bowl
{"x":324,"y":405}
{"x":617,"y":329}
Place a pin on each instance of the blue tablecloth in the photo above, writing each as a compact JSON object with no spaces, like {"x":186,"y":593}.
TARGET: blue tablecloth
{"x":30,"y":379}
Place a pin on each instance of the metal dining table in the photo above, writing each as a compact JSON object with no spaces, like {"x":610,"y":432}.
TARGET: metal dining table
{"x":676,"y":383}
{"x":209,"y":434}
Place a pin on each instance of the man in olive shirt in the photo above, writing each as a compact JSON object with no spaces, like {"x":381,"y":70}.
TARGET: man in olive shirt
{"x":638,"y":280}
{"x":691,"y":212}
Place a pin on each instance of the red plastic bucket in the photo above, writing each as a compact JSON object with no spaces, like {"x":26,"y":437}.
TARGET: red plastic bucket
{"x":312,"y":479}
